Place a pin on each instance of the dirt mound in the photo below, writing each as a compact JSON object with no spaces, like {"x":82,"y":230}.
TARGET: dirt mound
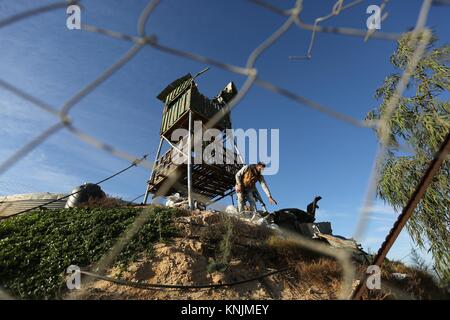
{"x":214,"y":248}
{"x":180,"y":263}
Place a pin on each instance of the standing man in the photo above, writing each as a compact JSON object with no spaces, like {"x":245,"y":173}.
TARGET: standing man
{"x":246,"y":179}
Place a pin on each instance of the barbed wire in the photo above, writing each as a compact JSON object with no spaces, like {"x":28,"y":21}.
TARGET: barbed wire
{"x":421,"y":35}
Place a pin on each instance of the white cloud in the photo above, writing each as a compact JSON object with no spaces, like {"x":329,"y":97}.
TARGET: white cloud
{"x":34,"y":173}
{"x":381,"y":208}
{"x":380,"y":212}
{"x":328,"y":214}
{"x":372,"y":243}
{"x":20,"y":118}
{"x":386,"y":219}
{"x":383,"y":229}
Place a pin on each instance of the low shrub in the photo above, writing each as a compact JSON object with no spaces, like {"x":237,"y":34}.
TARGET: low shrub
{"x":36,"y":248}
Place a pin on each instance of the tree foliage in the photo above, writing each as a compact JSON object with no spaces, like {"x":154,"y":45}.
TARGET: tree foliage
{"x":419,"y":123}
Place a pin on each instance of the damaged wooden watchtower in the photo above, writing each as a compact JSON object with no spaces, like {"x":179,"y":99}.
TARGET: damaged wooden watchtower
{"x":204,"y":182}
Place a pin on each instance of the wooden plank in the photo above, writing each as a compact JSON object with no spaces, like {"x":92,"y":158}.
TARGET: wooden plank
{"x":172,"y":116}
{"x":169,"y":98}
{"x":169,"y":117}
{"x":215,"y":186}
{"x":210,"y":189}
{"x":205,"y":183}
{"x":187,"y":102}
{"x":176,"y":105}
{"x":180,"y":109}
{"x":214,"y":181}
{"x":165,"y":120}
{"x":206,"y":189}
{"x":176,"y":91}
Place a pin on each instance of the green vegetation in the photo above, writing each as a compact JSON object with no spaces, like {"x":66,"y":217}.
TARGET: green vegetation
{"x":36,"y":248}
{"x":225,"y":245}
{"x":420,"y":122}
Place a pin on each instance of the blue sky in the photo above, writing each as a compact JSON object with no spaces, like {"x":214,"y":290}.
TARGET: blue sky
{"x":318,"y":154}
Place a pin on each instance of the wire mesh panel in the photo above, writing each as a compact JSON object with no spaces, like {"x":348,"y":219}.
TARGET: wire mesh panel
{"x":180,"y":96}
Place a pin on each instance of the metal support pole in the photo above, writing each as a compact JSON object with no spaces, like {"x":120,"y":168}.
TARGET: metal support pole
{"x":189,"y":165}
{"x":153,"y":169}
{"x":402,"y":219}
{"x":237,"y":151}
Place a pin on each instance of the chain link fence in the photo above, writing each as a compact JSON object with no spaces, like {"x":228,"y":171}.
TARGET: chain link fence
{"x":293,"y":19}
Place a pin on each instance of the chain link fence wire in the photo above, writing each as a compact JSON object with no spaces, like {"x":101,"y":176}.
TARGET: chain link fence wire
{"x":134,"y":164}
{"x":421,"y":35}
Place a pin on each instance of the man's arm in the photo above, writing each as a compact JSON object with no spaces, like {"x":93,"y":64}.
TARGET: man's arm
{"x":266,"y":190}
{"x":265,"y":187}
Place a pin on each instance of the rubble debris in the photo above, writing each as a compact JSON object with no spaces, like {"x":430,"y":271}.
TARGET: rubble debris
{"x":231,"y":209}
{"x":294,"y":220}
{"x":399,"y":276}
{"x":176,"y":201}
